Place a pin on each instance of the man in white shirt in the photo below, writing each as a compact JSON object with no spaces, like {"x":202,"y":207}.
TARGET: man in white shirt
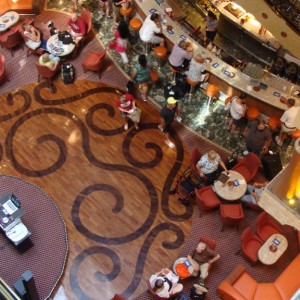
{"x":288,"y":120}
{"x":150,"y":27}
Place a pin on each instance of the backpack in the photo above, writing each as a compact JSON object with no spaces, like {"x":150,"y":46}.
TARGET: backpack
{"x":231,"y":161}
{"x":67,"y":73}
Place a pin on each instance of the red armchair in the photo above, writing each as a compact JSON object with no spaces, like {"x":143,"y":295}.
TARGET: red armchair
{"x":45,"y":72}
{"x":10,"y":40}
{"x":195,"y":156}
{"x":266,"y":226}
{"x":206,"y":199}
{"x":248,"y":166}
{"x":118,"y":297}
{"x":231,"y":215}
{"x":209,"y":242}
{"x":2,"y":69}
{"x":250,"y":245}
{"x":94,"y":61}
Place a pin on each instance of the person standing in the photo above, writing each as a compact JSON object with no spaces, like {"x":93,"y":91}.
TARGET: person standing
{"x":126,"y":105}
{"x":288,"y":120}
{"x":211,"y":26}
{"x":104,"y":4}
{"x":237,"y":111}
{"x":150,"y":28}
{"x":258,"y":137}
{"x":167,"y":115}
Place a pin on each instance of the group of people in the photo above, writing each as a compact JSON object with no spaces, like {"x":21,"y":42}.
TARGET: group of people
{"x":165,"y":283}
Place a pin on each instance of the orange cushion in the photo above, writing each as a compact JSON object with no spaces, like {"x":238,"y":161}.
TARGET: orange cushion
{"x":182,"y":271}
{"x":135,"y":24}
{"x":252,"y":113}
{"x":296,"y":134}
{"x":266,"y":291}
{"x":126,"y":12}
{"x":246,"y":286}
{"x":212,"y":91}
{"x":288,"y":282}
{"x":160,"y":52}
{"x":273,"y":122}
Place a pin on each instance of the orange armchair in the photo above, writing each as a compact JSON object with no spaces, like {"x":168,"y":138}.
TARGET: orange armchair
{"x":248,"y":166}
{"x":45,"y":72}
{"x":251,"y":243}
{"x":206,"y":199}
{"x":94,"y":61}
{"x":231,"y":214}
{"x":10,"y":40}
{"x":266,"y":226}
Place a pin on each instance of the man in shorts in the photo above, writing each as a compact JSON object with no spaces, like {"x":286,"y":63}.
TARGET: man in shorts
{"x":167,"y":115}
{"x":288,"y":120}
{"x":150,"y":28}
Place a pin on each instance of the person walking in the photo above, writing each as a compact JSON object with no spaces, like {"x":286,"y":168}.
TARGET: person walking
{"x":167,"y":115}
{"x":237,"y":111}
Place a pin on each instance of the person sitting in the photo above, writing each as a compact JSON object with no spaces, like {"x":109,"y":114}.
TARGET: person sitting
{"x":77,"y":27}
{"x":196,"y":71}
{"x":49,"y":60}
{"x":208,"y":166}
{"x":237,"y":111}
{"x":288,"y":120}
{"x":165,"y":283}
{"x":32,"y":36}
{"x":141,"y":76}
{"x":201,"y":258}
{"x":254,"y":192}
{"x":181,"y":55}
{"x":150,"y":28}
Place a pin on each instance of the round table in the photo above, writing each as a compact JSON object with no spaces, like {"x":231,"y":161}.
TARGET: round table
{"x":57,"y":48}
{"x":8,"y":19}
{"x":234,"y":193}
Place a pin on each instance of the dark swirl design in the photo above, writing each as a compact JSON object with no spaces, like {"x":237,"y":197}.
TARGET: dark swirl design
{"x":98,"y":275}
{"x":10,"y":102}
{"x":116,"y":264}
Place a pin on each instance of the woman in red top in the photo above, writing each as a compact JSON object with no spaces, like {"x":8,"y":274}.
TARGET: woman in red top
{"x":126,"y":105}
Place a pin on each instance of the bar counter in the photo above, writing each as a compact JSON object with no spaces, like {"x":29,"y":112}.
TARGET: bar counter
{"x":264,"y":100}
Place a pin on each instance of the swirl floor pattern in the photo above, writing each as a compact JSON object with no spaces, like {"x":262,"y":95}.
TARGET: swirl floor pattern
{"x":112,"y":186}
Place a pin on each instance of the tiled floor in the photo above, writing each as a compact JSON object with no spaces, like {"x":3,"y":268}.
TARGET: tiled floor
{"x":210,"y":122}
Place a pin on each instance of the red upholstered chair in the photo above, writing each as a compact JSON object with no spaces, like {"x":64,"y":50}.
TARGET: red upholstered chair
{"x":93,"y":61}
{"x":248,"y":166}
{"x":209,"y":242}
{"x":87,"y":17}
{"x":10,"y":40}
{"x":266,"y":226}
{"x":195,"y":156}
{"x":231,"y":214}
{"x":206,"y":199}
{"x":45,"y":72}
{"x":2,"y":69}
{"x":250,"y":245}
{"x":118,"y":297}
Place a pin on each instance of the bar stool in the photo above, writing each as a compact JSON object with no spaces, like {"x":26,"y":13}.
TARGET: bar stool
{"x":231,"y":215}
{"x":148,"y":47}
{"x":174,"y":74}
{"x":212,"y":91}
{"x":252,"y":113}
{"x":296,"y":134}
{"x":192,"y":84}
{"x":135,"y":24}
{"x":125,"y":12}
{"x":161,"y":53}
{"x":273,"y":123}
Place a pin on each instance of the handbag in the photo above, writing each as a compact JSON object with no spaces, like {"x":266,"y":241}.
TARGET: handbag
{"x":136,"y":115}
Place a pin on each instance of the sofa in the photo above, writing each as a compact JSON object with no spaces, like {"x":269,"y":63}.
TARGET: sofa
{"x":239,"y":285}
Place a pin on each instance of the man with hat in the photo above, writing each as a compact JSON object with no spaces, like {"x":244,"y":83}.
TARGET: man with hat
{"x":167,"y":115}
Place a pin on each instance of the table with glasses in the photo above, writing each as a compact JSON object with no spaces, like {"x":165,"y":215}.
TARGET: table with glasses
{"x":272,"y":249}
{"x":8,"y":19}
{"x":233,"y":188}
{"x":57,"y":48}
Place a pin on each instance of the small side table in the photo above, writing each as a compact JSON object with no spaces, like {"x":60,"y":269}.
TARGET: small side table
{"x":268,"y":257}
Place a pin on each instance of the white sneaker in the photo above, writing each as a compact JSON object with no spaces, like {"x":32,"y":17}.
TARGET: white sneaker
{"x":278,"y":141}
{"x":160,"y":128}
{"x":170,"y":144}
{"x":126,"y":126}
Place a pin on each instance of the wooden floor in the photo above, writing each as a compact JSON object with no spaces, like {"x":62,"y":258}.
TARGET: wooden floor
{"x":111,"y":186}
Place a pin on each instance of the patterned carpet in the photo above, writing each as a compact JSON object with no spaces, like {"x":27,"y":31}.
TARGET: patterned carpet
{"x":21,"y":70}
{"x":47,"y":255}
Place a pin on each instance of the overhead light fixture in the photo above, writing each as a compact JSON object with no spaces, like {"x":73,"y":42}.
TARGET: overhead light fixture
{"x":15,"y":1}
